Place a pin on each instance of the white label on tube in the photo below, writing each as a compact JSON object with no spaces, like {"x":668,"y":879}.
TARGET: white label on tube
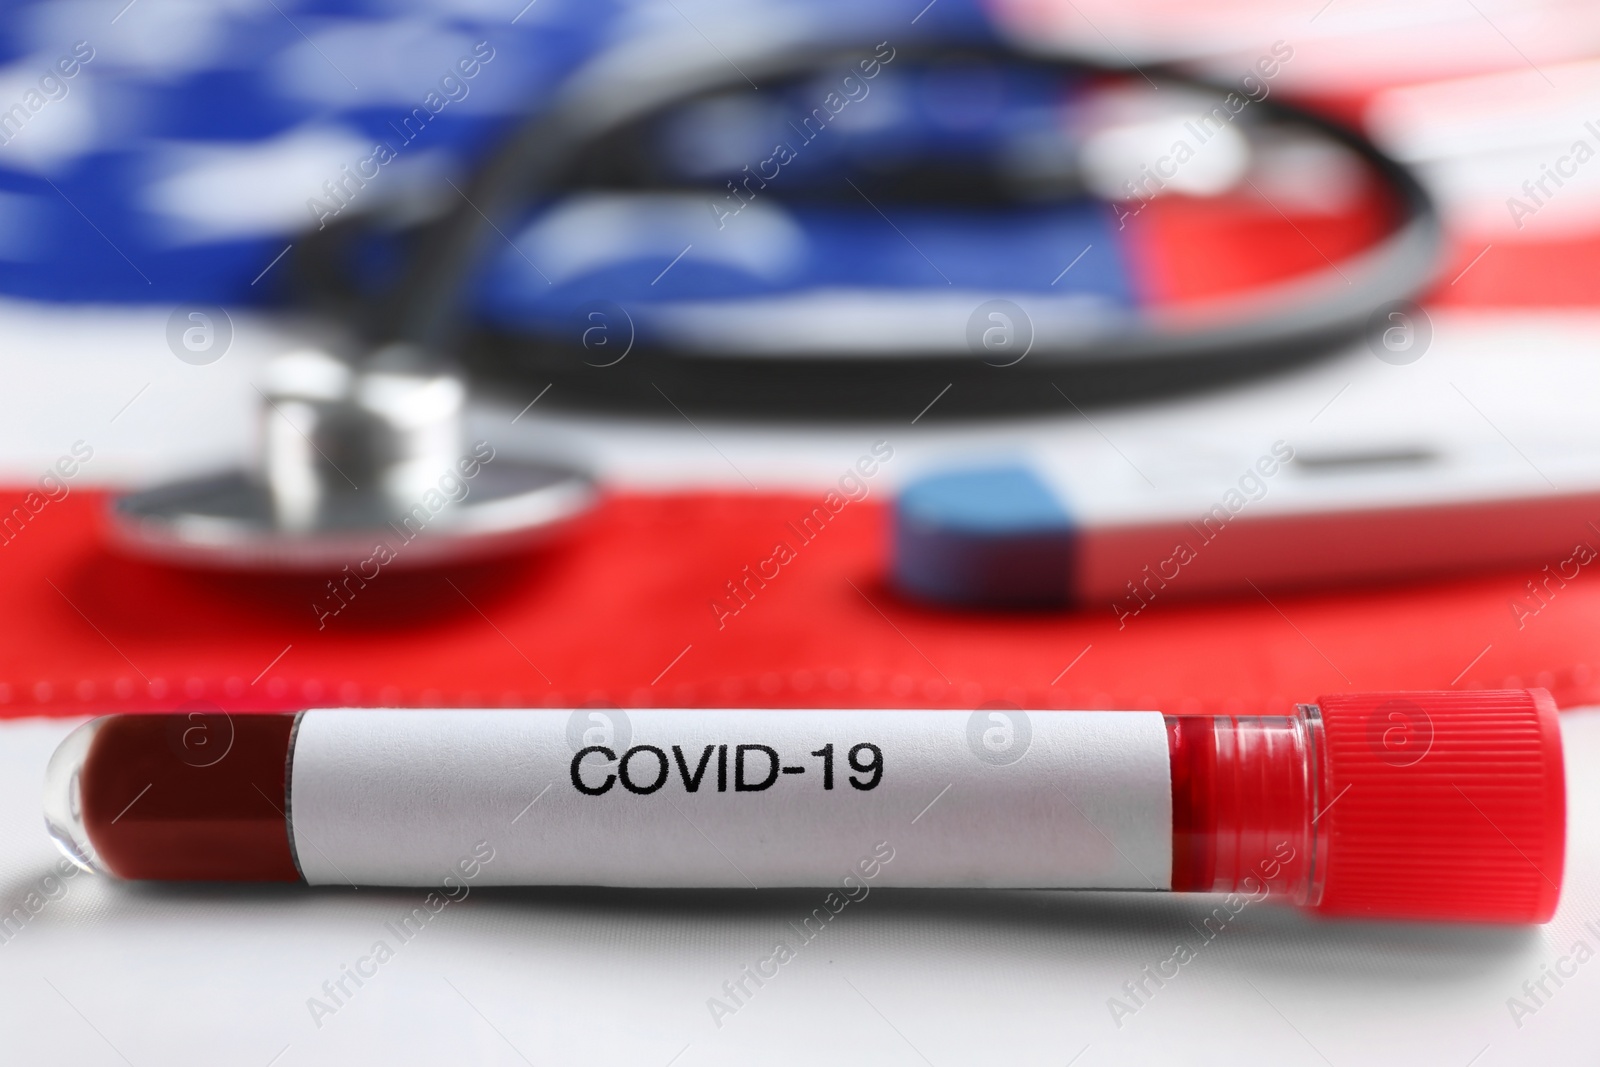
{"x":993,"y":798}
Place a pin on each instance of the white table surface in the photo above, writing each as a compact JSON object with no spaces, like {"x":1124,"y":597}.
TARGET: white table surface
{"x":153,"y":974}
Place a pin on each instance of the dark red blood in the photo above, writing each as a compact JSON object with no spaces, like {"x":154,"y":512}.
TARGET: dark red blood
{"x":1192,"y":748}
{"x":155,"y":804}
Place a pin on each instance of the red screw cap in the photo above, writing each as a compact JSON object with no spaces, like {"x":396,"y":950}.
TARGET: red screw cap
{"x":1444,"y":805}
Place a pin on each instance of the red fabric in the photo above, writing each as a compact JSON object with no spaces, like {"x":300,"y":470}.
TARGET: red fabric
{"x":608,"y":618}
{"x":1555,"y":274}
{"x":1187,"y":249}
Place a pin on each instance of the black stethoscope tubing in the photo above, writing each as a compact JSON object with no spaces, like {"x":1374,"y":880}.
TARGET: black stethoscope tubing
{"x":1155,"y":354}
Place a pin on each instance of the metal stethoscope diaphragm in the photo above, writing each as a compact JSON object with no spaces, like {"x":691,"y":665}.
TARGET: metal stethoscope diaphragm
{"x":353,"y":457}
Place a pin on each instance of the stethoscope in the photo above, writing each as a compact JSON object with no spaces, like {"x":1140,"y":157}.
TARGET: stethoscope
{"x":366,"y":445}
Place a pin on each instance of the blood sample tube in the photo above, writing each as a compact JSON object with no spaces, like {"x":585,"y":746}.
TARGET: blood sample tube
{"x":1433,"y":806}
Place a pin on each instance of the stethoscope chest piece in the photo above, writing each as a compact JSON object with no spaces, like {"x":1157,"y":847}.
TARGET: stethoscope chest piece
{"x":366,"y":464}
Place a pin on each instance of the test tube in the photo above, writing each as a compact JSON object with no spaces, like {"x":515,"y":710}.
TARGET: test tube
{"x":1446,"y":806}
